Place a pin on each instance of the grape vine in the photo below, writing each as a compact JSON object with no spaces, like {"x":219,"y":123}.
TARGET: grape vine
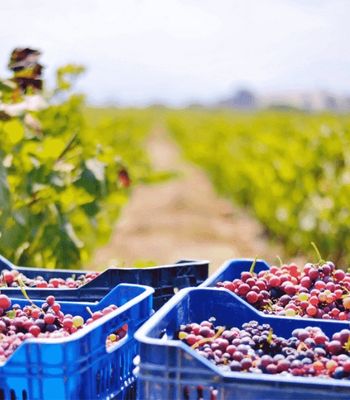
{"x":62,"y":182}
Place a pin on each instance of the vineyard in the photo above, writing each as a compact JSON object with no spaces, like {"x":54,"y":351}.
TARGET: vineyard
{"x":291,"y":170}
{"x":76,"y":194}
{"x":68,"y":169}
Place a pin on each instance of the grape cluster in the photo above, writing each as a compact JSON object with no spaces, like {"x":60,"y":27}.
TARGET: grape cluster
{"x":255,"y":348}
{"x":12,"y":279}
{"x":48,"y":321}
{"x":316,"y":291}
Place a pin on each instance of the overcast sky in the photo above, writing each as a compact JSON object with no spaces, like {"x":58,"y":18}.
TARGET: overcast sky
{"x":141,"y":51}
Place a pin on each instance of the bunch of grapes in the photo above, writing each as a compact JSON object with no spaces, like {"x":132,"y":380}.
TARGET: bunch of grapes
{"x":315,"y":291}
{"x":48,"y":321}
{"x":255,"y":348}
{"x":14,"y":278}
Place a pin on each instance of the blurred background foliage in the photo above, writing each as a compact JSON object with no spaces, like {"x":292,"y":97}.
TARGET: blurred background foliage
{"x":289,"y":169}
{"x":65,"y":169}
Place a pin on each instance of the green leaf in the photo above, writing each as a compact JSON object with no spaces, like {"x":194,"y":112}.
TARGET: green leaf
{"x":52,"y":148}
{"x":75,"y":195}
{"x":14,"y":130}
{"x":67,"y":74}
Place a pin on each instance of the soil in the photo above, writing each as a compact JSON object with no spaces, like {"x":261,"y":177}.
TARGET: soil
{"x":181,"y":218}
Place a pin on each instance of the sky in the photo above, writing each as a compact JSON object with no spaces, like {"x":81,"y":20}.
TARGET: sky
{"x":138,"y":52}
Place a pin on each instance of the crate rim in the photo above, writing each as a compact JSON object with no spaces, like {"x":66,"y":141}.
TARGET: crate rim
{"x":178,"y":263}
{"x":141,"y":335}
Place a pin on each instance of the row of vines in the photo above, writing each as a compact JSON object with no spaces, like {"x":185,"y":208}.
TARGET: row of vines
{"x":291,"y":170}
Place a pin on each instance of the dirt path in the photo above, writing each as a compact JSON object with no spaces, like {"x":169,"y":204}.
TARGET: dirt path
{"x":181,"y":218}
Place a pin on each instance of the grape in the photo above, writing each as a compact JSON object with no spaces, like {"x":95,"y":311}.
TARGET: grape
{"x":50,"y":300}
{"x":243,"y":289}
{"x":2,"y":326}
{"x":246,"y":363}
{"x":271,"y":369}
{"x":235,"y":366}
{"x":313,"y":274}
{"x":205,"y":331}
{"x":290,"y":312}
{"x":346,"y":303}
{"x":334,"y":347}
{"x":339,"y":275}
{"x":252,"y":297}
{"x":78,"y":321}
{"x":49,"y":318}
{"x":5,"y":302}
{"x":346,"y":366}
{"x":191,"y":339}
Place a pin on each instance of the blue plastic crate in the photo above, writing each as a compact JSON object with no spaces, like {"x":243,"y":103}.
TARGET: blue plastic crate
{"x":80,"y":366}
{"x":165,"y":279}
{"x":170,"y":369}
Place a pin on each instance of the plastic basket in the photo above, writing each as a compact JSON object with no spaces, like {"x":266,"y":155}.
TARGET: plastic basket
{"x":80,"y":366}
{"x":165,"y":279}
{"x":169,"y":369}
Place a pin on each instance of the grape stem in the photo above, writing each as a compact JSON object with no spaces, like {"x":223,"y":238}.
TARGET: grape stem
{"x":279,"y":260}
{"x":205,"y":340}
{"x":252,"y":267}
{"x":269,"y":336}
{"x":24,"y":292}
{"x":320,"y":259}
{"x":88,"y":309}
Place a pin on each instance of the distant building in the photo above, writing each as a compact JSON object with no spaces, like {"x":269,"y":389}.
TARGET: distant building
{"x":242,"y":99}
{"x":331,"y":103}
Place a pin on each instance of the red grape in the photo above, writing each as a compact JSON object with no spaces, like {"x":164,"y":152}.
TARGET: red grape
{"x":5,"y":302}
